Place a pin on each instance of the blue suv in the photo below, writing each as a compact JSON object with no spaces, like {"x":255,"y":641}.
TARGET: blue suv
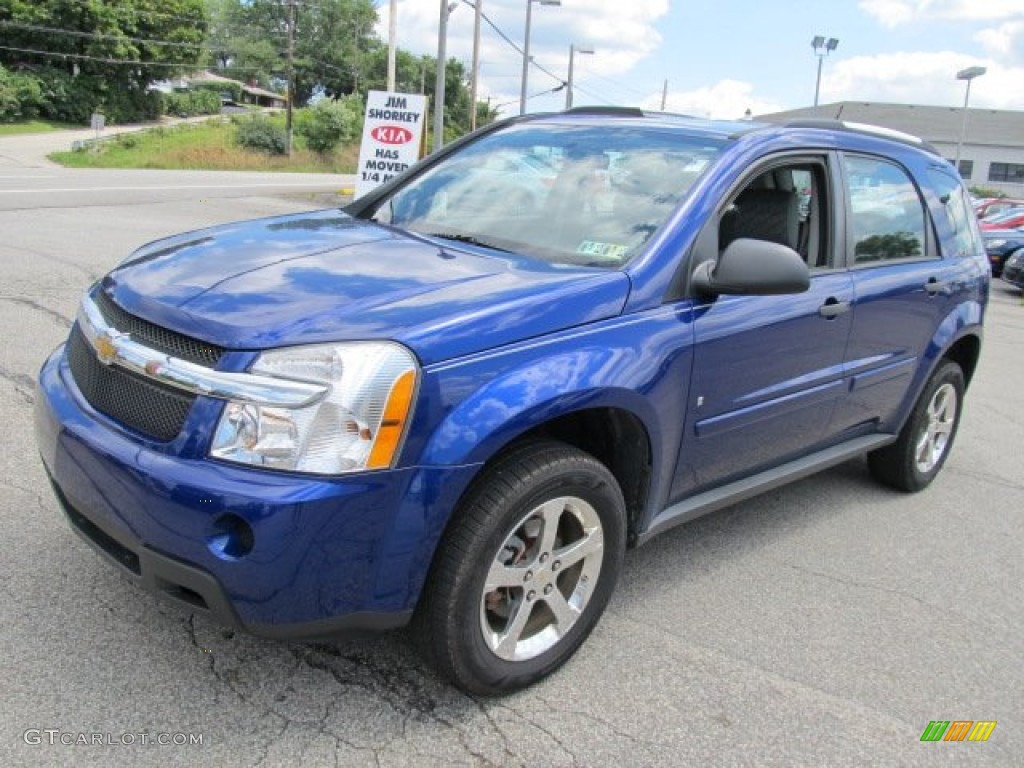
{"x":458,"y":401}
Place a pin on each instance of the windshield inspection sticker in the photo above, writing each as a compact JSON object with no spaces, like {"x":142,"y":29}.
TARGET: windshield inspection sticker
{"x":608,"y":251}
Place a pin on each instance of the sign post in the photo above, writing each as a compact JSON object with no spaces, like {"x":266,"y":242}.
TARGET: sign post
{"x":392,"y":132}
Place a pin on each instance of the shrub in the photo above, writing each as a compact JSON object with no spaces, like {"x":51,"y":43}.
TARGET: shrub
{"x":986,"y":192}
{"x":329,"y":123}
{"x":230,"y":88}
{"x":260,"y":134}
{"x":191,"y":103}
{"x":21,"y":96}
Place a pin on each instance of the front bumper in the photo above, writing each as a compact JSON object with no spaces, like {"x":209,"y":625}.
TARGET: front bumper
{"x":311,"y":556}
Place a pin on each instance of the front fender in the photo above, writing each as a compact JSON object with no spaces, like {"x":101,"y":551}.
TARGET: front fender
{"x":639,"y":364}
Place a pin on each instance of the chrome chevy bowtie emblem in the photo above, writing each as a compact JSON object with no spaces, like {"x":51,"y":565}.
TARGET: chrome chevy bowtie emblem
{"x":106,"y":349}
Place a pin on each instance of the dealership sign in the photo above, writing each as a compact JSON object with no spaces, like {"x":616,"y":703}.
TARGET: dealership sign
{"x":392,"y":135}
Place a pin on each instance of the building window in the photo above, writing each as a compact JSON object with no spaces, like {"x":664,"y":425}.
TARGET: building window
{"x":1013,"y":172}
{"x":966,"y":168}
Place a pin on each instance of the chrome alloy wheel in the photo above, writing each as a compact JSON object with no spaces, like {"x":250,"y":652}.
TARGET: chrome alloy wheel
{"x":941,"y":415}
{"x":542,"y":578}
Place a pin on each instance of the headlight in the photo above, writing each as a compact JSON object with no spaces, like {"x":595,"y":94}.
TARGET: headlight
{"x":357,"y":425}
{"x":991,"y":245}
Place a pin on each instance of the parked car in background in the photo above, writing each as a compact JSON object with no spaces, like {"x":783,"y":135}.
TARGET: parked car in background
{"x":989,"y":206}
{"x":999,"y":245}
{"x":1010,"y":219}
{"x":1013,"y":272}
{"x":458,"y":401}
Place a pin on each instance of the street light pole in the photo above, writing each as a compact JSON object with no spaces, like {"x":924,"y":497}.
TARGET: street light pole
{"x":965,"y":74}
{"x":573,"y":50}
{"x":526,"y":50}
{"x":822,"y":48}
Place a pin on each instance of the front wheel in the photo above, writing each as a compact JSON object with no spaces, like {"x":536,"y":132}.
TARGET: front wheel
{"x":525,"y":568}
{"x":913,"y":461}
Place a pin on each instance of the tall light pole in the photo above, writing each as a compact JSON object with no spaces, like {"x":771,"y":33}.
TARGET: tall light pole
{"x":526,"y":50}
{"x":966,"y":74}
{"x":573,"y":50}
{"x":822,"y":48}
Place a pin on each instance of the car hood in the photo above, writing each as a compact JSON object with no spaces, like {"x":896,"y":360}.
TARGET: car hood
{"x":325,"y":276}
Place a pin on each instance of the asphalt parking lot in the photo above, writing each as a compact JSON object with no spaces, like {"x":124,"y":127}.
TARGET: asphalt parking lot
{"x":822,"y":624}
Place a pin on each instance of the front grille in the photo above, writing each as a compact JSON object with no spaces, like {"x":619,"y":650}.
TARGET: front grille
{"x":155,"y":337}
{"x":146,"y":406}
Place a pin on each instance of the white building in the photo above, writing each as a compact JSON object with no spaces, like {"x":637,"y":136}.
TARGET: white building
{"x":992,"y":155}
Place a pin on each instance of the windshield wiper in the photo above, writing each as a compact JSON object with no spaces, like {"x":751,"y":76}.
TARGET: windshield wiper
{"x":468,"y":239}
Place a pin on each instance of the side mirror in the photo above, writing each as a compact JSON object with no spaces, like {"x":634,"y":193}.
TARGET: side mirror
{"x":753,"y":268}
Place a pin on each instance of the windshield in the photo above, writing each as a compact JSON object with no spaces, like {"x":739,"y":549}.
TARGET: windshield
{"x":567,"y":194}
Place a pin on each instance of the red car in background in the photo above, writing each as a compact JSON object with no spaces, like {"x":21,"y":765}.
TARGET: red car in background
{"x":1010,"y":219}
{"x":990,"y":206}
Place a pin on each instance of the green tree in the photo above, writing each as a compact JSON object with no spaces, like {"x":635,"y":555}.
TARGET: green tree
{"x":102,"y":55}
{"x":249,"y":41}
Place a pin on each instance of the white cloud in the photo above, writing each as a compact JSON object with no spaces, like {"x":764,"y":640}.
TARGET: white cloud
{"x":622,"y":34}
{"x":920,"y":78}
{"x":891,"y":13}
{"x":1005,"y":41}
{"x":726,"y":99}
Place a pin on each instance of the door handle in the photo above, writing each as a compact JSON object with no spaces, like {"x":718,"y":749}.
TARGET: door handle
{"x":934,"y":286}
{"x":833,"y":308}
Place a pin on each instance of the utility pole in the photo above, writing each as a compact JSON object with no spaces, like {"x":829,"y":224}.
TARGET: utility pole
{"x":442,"y":62}
{"x":291,"y":76}
{"x":664,"y":95}
{"x":392,"y":43}
{"x":478,"y":10}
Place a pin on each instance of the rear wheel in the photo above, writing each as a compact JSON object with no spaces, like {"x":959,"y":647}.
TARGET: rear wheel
{"x":525,"y":570}
{"x":913,"y":461}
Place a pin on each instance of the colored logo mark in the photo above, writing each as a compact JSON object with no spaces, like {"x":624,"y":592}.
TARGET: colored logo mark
{"x":958,"y":730}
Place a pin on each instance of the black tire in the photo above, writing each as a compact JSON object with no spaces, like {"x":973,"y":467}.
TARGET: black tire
{"x":924,"y":443}
{"x":496,"y":638}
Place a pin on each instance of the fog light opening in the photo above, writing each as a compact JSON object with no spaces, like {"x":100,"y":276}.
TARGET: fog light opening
{"x":232,"y":537}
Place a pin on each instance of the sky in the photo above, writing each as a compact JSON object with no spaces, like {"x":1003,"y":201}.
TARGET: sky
{"x":723,"y":57}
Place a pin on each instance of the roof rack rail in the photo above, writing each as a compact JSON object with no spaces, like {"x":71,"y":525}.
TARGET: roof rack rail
{"x":863,"y":128}
{"x":625,"y":111}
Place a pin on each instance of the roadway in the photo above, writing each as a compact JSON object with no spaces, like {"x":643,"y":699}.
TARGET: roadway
{"x":823,"y":624}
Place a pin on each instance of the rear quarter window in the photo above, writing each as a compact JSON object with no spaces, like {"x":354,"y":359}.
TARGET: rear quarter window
{"x":960,"y":234}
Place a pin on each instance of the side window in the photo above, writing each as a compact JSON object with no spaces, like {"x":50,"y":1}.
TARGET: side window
{"x":959,"y":216}
{"x":887,"y":217}
{"x":787,"y":205}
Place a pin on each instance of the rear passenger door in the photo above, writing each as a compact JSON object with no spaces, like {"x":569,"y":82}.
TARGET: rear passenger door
{"x":768,"y":370}
{"x":902,"y":289}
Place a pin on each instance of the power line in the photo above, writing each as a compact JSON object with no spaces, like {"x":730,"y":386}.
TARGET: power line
{"x":617,"y":84}
{"x":100,"y":35}
{"x":556,"y":89}
{"x":516,"y":47}
{"x":107,"y":60}
{"x":591,"y":94}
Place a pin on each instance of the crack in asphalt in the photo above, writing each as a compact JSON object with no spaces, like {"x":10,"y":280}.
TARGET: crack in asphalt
{"x":57,"y":259}
{"x":58,"y":316}
{"x":24,"y":385}
{"x":987,"y":477}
